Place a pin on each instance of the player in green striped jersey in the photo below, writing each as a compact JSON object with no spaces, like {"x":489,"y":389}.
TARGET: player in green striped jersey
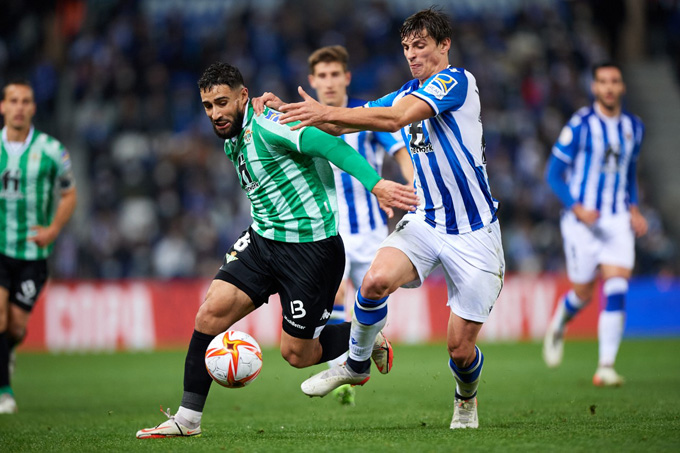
{"x":292,"y":247}
{"x":33,"y":166}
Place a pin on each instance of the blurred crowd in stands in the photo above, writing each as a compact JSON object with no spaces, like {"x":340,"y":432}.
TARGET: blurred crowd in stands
{"x":115,"y":81}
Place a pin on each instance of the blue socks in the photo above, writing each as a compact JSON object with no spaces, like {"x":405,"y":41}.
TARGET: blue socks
{"x":467,"y":379}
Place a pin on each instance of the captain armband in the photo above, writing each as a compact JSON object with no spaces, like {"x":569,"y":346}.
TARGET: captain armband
{"x":67,"y":180}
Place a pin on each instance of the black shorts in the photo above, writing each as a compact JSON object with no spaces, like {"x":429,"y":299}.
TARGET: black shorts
{"x":24,"y":279}
{"x":306,"y":276}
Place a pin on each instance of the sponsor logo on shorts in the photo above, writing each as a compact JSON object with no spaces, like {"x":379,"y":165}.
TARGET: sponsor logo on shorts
{"x":28,"y":292}
{"x":293,"y":323}
{"x":325,"y":315}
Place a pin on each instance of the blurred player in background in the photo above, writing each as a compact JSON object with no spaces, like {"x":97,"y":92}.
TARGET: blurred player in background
{"x":455,"y":224}
{"x":33,"y":166}
{"x":291,"y":248}
{"x":593,"y":172}
{"x":363,"y":226}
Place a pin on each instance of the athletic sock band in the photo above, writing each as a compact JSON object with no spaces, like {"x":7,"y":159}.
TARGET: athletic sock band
{"x":196,"y":378}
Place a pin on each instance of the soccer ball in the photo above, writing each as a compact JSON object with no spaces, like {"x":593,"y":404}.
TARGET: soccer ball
{"x":233,"y":359}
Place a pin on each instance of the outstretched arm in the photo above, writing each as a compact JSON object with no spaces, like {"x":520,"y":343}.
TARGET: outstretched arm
{"x":272,"y":101}
{"x":407,"y":110}
{"x":389,"y":193}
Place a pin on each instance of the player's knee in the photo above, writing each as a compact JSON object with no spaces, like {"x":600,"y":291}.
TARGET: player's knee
{"x":16,"y":331}
{"x":295,"y":359}
{"x":585,"y":295}
{"x":461,"y":355}
{"x":376,"y":285}
{"x":210,"y":320}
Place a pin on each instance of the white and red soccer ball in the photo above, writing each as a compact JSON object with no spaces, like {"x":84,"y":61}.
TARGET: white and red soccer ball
{"x":233,"y":359}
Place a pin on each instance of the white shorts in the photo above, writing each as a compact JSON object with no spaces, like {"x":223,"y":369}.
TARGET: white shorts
{"x":360,"y":249}
{"x":610,"y":241}
{"x":473,"y":263}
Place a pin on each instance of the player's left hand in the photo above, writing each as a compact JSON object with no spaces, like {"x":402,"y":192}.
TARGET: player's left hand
{"x":42,"y":236}
{"x":638,"y":222}
{"x":393,"y":195}
{"x":267,"y":99}
{"x":308,"y":113}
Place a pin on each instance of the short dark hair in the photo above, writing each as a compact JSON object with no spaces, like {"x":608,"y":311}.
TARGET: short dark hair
{"x":221,"y":74}
{"x":605,"y":64}
{"x":18,"y":81}
{"x":433,"y":20}
{"x":328,"y":54}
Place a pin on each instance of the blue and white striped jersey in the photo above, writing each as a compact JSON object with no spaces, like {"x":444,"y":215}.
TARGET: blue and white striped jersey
{"x":448,"y":152}
{"x":358,"y":208}
{"x":601,"y":155}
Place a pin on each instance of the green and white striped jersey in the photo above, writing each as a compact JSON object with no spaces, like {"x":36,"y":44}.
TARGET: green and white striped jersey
{"x":292,"y":193}
{"x":28,"y":175}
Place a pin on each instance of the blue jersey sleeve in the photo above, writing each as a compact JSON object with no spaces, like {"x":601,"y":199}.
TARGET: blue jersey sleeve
{"x":631,"y":177}
{"x":567,"y":143}
{"x":555,"y":178}
{"x":446,"y":90}
{"x":385,"y":101}
{"x":390,"y":141}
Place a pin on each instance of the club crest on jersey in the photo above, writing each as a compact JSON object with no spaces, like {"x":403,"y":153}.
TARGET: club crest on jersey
{"x":248,"y":136}
{"x":273,"y":115}
{"x":441,"y":85}
{"x":229,"y":257}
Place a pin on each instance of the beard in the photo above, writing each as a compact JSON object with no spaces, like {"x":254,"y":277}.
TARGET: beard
{"x":235,"y":128}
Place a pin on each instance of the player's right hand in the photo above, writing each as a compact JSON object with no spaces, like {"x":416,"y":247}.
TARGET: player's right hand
{"x":394,"y":195}
{"x":267,"y":99}
{"x":587,"y":216}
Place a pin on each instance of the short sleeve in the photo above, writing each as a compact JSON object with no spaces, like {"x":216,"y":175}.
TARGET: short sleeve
{"x":446,"y":90}
{"x":567,"y":143}
{"x":385,"y":101}
{"x":390,"y":141}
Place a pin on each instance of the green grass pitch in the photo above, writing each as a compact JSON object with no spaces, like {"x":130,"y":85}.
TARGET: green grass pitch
{"x":96,"y":402}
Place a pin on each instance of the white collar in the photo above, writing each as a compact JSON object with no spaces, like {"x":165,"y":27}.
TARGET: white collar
{"x":603,"y":117}
{"x":17,"y":147}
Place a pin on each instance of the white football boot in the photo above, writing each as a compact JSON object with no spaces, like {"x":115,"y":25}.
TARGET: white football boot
{"x":465,"y":414}
{"x":321,"y":384}
{"x":169,"y":428}
{"x":606,"y":376}
{"x":7,"y":404}
{"x":553,"y":343}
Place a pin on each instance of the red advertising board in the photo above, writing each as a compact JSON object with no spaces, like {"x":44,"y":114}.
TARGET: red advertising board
{"x":152,"y":314}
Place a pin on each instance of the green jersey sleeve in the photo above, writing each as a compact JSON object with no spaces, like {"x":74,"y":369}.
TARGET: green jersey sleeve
{"x":320,"y":144}
{"x":314,"y":142}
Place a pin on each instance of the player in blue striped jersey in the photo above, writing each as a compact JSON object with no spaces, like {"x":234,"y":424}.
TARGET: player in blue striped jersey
{"x":455,"y":225}
{"x":363,"y":226}
{"x":592,"y":170}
